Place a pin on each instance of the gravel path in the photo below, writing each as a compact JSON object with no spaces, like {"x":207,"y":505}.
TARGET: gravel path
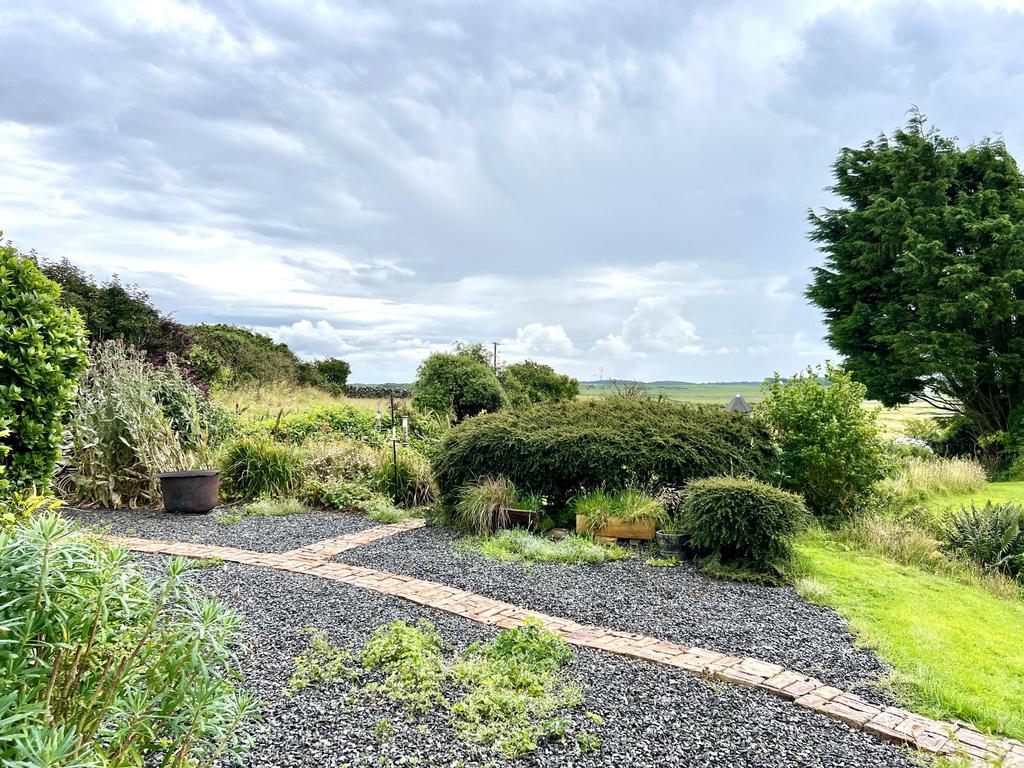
{"x":258,"y":534}
{"x":679,"y":604}
{"x":653,"y":715}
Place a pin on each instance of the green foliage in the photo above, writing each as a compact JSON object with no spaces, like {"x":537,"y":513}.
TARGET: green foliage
{"x":228,"y":354}
{"x":529,"y":382}
{"x":559,"y":450}
{"x":337,"y":459}
{"x":915,"y":479}
{"x":331,"y":373}
{"x":41,"y":357}
{"x":274,"y":507}
{"x":456,"y":386}
{"x":523,"y":546}
{"x":516,"y":690}
{"x":923,"y":283}
{"x":993,"y":536}
{"x":415,"y":482}
{"x":830,"y":443}
{"x":483,"y":505}
{"x":121,"y":436}
{"x":321,"y":663}
{"x":324,"y":423}
{"x":18,"y":507}
{"x":628,"y":505}
{"x":410,"y":658}
{"x":105,"y":667}
{"x":743,"y":522}
{"x":255,"y":466}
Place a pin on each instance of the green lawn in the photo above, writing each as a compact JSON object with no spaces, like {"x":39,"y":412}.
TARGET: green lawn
{"x":958,"y":650}
{"x":997,"y":493}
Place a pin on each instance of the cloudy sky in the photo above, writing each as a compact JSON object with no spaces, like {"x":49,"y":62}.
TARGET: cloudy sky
{"x":617,"y":188}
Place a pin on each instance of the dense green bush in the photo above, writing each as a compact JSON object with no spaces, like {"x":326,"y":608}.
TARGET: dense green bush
{"x":101,"y":666}
{"x":228,"y":354}
{"x":558,"y":450}
{"x":333,"y":421}
{"x":831,"y":447}
{"x":993,"y":537}
{"x":255,"y":466}
{"x":456,"y":386}
{"x":42,"y":354}
{"x":743,"y":522}
{"x":133,"y":420}
{"x":529,"y":382}
{"x":415,"y":481}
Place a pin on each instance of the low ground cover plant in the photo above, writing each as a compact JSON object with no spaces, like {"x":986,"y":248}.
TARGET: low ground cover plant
{"x":743,"y":523}
{"x":560,"y":450}
{"x":271,"y":506}
{"x":43,"y":354}
{"x":831,"y":448}
{"x":523,"y":546}
{"x":101,"y":666}
{"x":257,"y":466}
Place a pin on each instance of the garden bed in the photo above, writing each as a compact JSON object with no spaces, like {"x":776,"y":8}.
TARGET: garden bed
{"x":653,"y":714}
{"x":252,"y":532}
{"x":679,"y":603}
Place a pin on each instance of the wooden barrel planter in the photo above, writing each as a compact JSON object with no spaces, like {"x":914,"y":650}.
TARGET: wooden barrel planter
{"x":617,"y":528}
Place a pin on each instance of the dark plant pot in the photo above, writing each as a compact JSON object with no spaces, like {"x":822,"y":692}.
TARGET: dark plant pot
{"x":523,"y":518}
{"x":670,"y":544}
{"x":193,"y":491}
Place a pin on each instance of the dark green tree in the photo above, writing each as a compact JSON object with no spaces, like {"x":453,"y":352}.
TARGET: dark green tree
{"x":456,"y":386}
{"x":531,"y":382}
{"x":923,"y":281}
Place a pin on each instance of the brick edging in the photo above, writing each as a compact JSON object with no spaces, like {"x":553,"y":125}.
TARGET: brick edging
{"x":892,"y":724}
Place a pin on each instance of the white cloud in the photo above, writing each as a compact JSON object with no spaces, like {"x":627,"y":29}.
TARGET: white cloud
{"x":539,"y":340}
{"x":655,"y":326}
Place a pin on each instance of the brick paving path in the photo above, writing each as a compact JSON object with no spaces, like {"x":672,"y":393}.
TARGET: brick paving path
{"x":889,"y":723}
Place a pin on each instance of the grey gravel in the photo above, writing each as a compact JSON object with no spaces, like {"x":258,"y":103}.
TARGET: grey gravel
{"x":679,"y":604}
{"x":653,"y":715}
{"x":258,"y":534}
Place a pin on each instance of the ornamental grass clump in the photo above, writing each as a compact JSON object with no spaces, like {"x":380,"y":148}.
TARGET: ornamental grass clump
{"x":483,"y":506}
{"x":100,"y":666}
{"x":255,"y":466}
{"x":743,"y":523}
{"x":916,"y":479}
{"x":629,"y":506}
{"x":412,"y":485}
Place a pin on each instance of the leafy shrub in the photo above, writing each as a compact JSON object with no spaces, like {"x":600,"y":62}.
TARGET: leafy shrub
{"x":456,"y":386}
{"x":559,"y":450}
{"x":120,"y":436}
{"x":329,"y":422}
{"x":331,"y":374}
{"x":529,"y":382}
{"x":225,"y":354}
{"x":341,"y":459}
{"x":257,"y":466}
{"x":344,"y":495}
{"x":523,"y":546}
{"x":743,"y":522}
{"x":993,"y":536}
{"x":18,"y":507}
{"x":415,"y":481}
{"x":41,"y":357}
{"x":831,"y":446}
{"x":916,"y":479}
{"x":630,"y":506}
{"x":103,"y":667}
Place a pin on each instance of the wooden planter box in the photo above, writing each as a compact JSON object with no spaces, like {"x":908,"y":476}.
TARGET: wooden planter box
{"x":523,"y":518}
{"x":617,"y":529}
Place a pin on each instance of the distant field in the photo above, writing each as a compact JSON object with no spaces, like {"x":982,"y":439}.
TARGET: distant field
{"x":256,"y":403}
{"x":683,"y":391}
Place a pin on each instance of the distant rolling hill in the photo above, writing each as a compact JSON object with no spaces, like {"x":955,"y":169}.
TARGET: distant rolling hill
{"x":714,"y":392}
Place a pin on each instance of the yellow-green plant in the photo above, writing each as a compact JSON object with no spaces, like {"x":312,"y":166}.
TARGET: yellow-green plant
{"x":255,"y":466}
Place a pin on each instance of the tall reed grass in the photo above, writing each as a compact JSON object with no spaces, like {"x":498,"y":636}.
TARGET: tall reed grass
{"x":917,"y":479}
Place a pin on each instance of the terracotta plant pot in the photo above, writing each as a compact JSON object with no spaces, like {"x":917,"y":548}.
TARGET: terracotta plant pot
{"x":191,"y":491}
{"x":617,"y":528}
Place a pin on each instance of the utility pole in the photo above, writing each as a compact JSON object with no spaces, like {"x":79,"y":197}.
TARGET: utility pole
{"x":495,"y":343}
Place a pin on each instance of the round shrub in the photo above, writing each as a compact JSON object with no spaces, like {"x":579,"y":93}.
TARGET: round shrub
{"x":255,"y":466}
{"x":743,"y":522}
{"x":42,"y":354}
{"x":558,"y":450}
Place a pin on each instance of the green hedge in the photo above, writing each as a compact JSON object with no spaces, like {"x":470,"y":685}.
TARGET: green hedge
{"x":561,"y":449}
{"x":331,"y":421}
{"x":743,"y":522}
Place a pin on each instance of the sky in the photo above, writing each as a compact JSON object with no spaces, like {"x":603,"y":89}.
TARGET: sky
{"x":619,"y":189}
